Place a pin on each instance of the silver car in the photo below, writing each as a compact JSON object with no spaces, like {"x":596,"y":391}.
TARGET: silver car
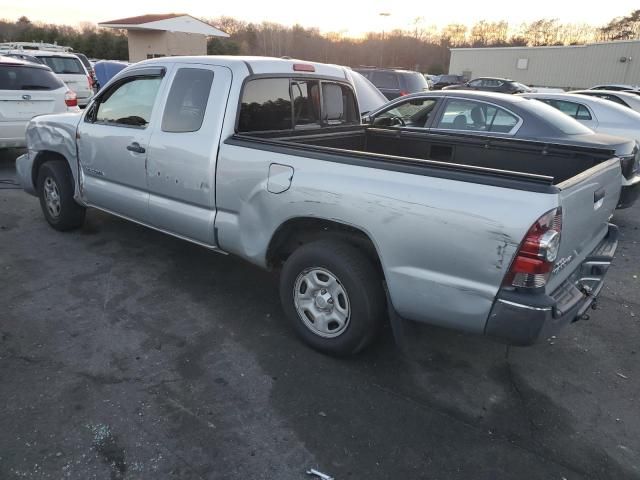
{"x":27,"y":90}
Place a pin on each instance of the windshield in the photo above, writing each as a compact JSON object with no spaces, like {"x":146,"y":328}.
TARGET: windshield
{"x":64,"y":65}
{"x":369,"y":97}
{"x":556,"y":118}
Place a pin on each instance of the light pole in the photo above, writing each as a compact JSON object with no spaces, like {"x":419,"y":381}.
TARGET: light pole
{"x":385,"y":15}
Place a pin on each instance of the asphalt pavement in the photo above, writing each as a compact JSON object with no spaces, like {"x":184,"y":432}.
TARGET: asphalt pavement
{"x":129,"y":354}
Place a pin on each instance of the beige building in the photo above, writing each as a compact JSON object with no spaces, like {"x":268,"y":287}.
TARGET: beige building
{"x":172,"y":34}
{"x":580,"y":66}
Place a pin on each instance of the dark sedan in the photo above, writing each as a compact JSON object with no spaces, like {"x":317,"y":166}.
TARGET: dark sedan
{"x":502,"y":115}
{"x":487,"y":84}
{"x":447,"y":80}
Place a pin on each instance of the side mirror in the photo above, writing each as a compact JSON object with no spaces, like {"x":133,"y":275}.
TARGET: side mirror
{"x":367,"y":119}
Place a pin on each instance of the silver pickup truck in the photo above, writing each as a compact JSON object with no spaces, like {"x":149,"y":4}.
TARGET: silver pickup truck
{"x":267,"y":159}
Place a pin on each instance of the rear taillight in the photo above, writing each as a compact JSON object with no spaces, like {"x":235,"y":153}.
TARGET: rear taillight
{"x":403,"y":93}
{"x":71,"y":99}
{"x":538,"y":251}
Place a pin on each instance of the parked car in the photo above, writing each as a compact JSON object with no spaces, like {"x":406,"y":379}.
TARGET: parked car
{"x":431,"y":79}
{"x":23,"y":56}
{"x":620,"y":97}
{"x":602,"y":116}
{"x":446,"y":80}
{"x":267,"y":159}
{"x":105,"y":70}
{"x":487,"y":84}
{"x":27,"y":90}
{"x":394,"y":83}
{"x":615,"y":87}
{"x":71,"y":71}
{"x":484,"y":113}
{"x":90,"y":70}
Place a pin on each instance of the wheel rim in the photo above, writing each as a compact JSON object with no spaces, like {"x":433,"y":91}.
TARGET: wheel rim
{"x":52,"y":197}
{"x":322,"y":302}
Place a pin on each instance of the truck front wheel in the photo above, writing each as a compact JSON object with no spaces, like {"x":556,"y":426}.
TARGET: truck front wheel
{"x":333,"y":296}
{"x":55,"y":190}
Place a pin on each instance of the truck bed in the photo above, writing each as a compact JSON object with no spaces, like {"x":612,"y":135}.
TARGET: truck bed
{"x":523,"y":164}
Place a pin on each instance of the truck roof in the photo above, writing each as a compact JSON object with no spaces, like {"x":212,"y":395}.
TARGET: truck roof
{"x":257,"y":65}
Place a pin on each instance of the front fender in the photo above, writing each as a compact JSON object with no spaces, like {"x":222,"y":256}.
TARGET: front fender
{"x":49,"y":133}
{"x":24,"y":169}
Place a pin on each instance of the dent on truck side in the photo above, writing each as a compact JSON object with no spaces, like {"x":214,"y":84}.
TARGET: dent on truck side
{"x":56,"y":134}
{"x":444,"y":245}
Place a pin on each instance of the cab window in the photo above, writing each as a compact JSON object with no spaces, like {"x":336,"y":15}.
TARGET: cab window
{"x":266,"y":105}
{"x":284,"y":104}
{"x":187,"y":100}
{"x":128,"y":104}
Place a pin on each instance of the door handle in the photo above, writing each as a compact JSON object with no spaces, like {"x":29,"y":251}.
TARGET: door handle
{"x":599,"y":195}
{"x":135,"y":147}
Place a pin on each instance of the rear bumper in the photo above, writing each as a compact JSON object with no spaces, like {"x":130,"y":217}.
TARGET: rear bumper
{"x":523,"y":319}
{"x":12,"y":134}
{"x":629,"y":193}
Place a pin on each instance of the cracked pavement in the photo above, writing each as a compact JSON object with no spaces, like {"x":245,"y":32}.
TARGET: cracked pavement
{"x":129,"y":354}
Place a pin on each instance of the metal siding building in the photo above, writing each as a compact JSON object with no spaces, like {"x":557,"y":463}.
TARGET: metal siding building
{"x":581,"y":66}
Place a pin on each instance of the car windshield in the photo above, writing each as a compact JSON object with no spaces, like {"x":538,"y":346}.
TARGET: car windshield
{"x":18,"y":77}
{"x":64,"y":65}
{"x":559,"y":120}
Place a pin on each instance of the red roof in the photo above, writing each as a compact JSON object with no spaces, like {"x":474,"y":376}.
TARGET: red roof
{"x":143,"y":19}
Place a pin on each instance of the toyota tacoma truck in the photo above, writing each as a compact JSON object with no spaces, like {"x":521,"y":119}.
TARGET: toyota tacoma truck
{"x":267,"y":159}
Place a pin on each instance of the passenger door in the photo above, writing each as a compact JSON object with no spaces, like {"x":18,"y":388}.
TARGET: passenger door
{"x":182,"y":154}
{"x":113,"y":138}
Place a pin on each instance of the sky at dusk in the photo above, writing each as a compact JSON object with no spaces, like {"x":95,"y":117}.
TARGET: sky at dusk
{"x":351,"y":17}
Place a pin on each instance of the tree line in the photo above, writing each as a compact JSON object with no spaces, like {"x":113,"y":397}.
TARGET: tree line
{"x":419,"y":46}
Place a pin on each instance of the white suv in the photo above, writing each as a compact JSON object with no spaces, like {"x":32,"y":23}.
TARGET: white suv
{"x":27,"y":90}
{"x":70,"y":70}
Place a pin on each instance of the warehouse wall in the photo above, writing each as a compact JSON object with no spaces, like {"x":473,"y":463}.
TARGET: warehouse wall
{"x":159,"y":43}
{"x":565,"y":67}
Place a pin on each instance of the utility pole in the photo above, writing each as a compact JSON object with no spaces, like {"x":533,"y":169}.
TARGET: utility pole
{"x":385,"y":15}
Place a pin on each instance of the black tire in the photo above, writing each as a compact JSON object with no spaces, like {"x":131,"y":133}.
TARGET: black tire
{"x":70,"y":215}
{"x":359,"y":279}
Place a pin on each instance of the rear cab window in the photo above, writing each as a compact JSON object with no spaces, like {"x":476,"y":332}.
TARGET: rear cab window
{"x":19,"y":77}
{"x":294,"y":104}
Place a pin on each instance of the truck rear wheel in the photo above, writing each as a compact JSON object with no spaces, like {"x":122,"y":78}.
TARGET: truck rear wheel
{"x":55,"y":190}
{"x":333,"y":296}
